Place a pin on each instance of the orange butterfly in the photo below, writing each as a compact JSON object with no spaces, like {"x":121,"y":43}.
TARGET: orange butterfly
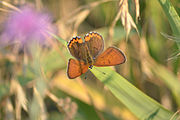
{"x":89,"y":53}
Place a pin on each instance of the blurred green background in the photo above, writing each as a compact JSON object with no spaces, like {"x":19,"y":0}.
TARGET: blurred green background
{"x":37,"y":87}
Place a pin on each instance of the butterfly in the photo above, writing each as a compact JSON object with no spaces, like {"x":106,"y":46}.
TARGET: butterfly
{"x":89,"y":53}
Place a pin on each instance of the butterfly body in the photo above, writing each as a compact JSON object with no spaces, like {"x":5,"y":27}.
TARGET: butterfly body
{"x":89,"y":53}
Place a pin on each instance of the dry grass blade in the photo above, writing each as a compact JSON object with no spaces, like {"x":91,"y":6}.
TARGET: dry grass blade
{"x":39,"y":4}
{"x":125,"y":16}
{"x":18,"y":110}
{"x":84,"y":7}
{"x":174,"y":57}
{"x":79,"y":19}
{"x":159,"y":71}
{"x":56,"y":100}
{"x":20,"y":101}
{"x":10,"y":6}
{"x":76,"y":20}
{"x":4,"y":10}
{"x":176,"y":39}
{"x":9,"y":111}
{"x":111,"y":29}
{"x":65,"y":106}
{"x":19,"y":92}
{"x":90,"y":98}
{"x":172,"y":118}
{"x":144,"y":54}
{"x":169,"y":37}
{"x":137,"y":9}
{"x":41,"y":104}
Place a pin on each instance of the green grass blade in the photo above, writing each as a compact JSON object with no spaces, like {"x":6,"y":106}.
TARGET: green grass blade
{"x":58,"y":38}
{"x":169,"y":79}
{"x":4,"y":90}
{"x":172,"y":16}
{"x":136,"y":101}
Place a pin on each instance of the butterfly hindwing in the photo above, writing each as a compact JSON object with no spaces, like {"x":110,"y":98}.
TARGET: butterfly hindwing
{"x":76,"y":68}
{"x":110,"y":57}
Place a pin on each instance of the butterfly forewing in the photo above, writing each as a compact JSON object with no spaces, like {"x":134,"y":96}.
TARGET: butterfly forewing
{"x":77,"y":48}
{"x":76,"y":68}
{"x":112,"y":56}
{"x":95,"y":44}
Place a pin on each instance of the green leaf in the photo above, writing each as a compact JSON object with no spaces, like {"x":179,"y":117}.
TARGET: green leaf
{"x":172,"y":16}
{"x":136,"y":101}
{"x":58,"y":38}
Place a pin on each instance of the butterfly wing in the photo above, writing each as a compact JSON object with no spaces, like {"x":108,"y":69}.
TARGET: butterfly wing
{"x":76,"y":68}
{"x":112,"y":56}
{"x":77,"y":48}
{"x":95,"y":43}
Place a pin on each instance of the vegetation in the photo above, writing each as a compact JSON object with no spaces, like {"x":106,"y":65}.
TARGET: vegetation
{"x":34,"y":57}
